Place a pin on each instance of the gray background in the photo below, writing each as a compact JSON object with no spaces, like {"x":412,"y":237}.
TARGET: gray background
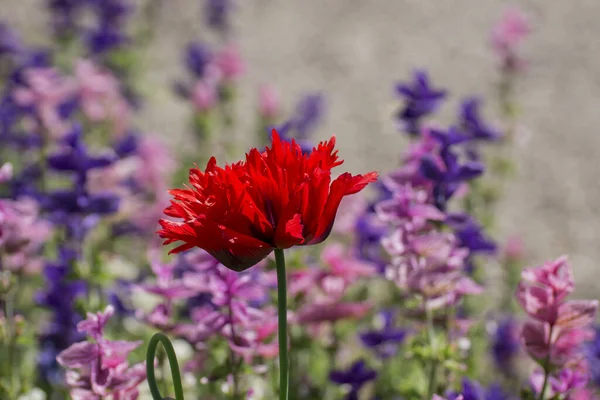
{"x":354,"y":51}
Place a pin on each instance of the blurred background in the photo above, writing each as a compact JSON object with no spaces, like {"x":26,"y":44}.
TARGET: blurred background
{"x":353,"y":52}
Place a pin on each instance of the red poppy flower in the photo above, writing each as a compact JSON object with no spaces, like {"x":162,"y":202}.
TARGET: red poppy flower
{"x":275,"y":199}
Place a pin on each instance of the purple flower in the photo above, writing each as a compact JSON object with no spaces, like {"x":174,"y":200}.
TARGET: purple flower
{"x":472,"y":390}
{"x":217,"y":13}
{"x":10,"y":43}
{"x":197,"y":58}
{"x":74,"y":156}
{"x":505,"y":343}
{"x":446,"y":172}
{"x":309,"y":112}
{"x":471,"y":123}
{"x":65,"y":17}
{"x":59,"y":297}
{"x":421,"y":99}
{"x":592,"y":351}
{"x":356,"y":377}
{"x":384,"y":341}
{"x":105,"y":38}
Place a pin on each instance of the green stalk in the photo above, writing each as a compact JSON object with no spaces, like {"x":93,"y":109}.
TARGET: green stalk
{"x":432,"y":344}
{"x":156,"y":339}
{"x":284,"y":375}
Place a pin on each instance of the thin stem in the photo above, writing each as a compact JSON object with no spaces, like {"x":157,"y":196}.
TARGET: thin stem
{"x":284,"y":376}
{"x":232,"y":361}
{"x":432,"y":344}
{"x":156,"y":339}
{"x":546,"y":366}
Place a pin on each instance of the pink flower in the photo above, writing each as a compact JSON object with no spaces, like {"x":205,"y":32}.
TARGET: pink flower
{"x":561,"y":326}
{"x":568,"y":379}
{"x":269,"y":103}
{"x":46,"y":90}
{"x":438,"y":397}
{"x":204,"y":96}
{"x":538,"y":301}
{"x":230,"y":62}
{"x":22,"y":235}
{"x":101,"y":98}
{"x":410,"y":207}
{"x":507,"y":35}
{"x":536,"y":338}
{"x":99,"y":369}
{"x":331,"y":312}
{"x":577,"y":314}
{"x":350,"y":210}
{"x":513,"y":248}
{"x":557,"y":275}
{"x":510,"y":31}
{"x":95,"y":323}
{"x":167,"y":285}
{"x":342,"y":265}
{"x":6,"y":172}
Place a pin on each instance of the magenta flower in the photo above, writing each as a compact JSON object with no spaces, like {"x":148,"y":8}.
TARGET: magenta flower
{"x":507,"y":36}
{"x":101,"y":97}
{"x":410,"y":207}
{"x":6,"y":172}
{"x":99,"y":368}
{"x":204,"y":96}
{"x":560,"y":328}
{"x":514,"y":248}
{"x":269,"y":103}
{"x":22,"y":235}
{"x":230,"y":62}
{"x":317,"y":313}
{"x":45,"y":92}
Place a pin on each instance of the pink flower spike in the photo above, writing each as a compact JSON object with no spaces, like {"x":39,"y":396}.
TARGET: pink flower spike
{"x":318,"y":313}
{"x":536,"y":338}
{"x":230,"y":62}
{"x":269,"y":103}
{"x":95,"y":323}
{"x":569,"y":379}
{"x":538,"y":302}
{"x":514,"y":248}
{"x":78,"y":355}
{"x":204,"y":96}
{"x":577,"y":314}
{"x":555,"y":274}
{"x":512,"y":28}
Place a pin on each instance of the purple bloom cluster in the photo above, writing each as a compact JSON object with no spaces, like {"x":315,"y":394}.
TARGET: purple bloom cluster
{"x":106,"y":31}
{"x":219,"y":302}
{"x":355,"y":377}
{"x":303,"y":122}
{"x":98,"y":368}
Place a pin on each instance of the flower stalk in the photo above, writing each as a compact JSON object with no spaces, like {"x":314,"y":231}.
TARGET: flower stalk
{"x":152,"y":346}
{"x":284,"y":375}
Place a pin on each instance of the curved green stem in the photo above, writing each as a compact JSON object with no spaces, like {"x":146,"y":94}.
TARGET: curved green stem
{"x":156,"y":339}
{"x":284,"y":365}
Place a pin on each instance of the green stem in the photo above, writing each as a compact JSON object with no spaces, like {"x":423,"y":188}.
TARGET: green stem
{"x":284,"y":376}
{"x":232,"y":361}
{"x":546,"y":366}
{"x":156,"y":339}
{"x":432,"y":344}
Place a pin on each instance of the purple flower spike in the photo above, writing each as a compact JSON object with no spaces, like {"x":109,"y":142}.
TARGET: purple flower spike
{"x":472,"y":124}
{"x":356,"y":376}
{"x":421,"y":100}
